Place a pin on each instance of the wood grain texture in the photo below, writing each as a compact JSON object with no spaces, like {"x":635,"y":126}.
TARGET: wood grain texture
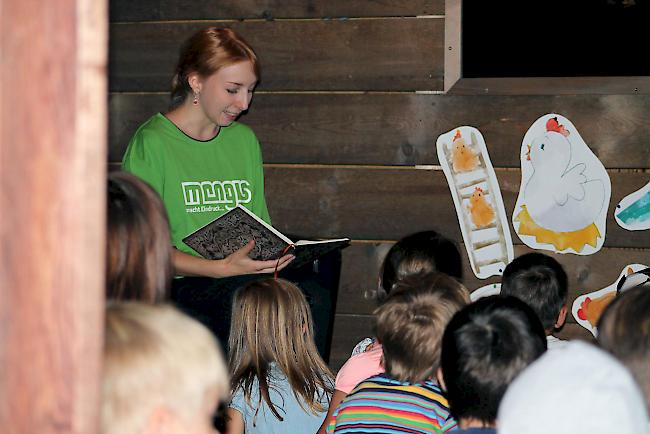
{"x":52,"y":224}
{"x":401,"y":129}
{"x":552,"y":86}
{"x":362,"y":261}
{"x":295,"y":55}
{"x":385,"y":204}
{"x":153,"y":10}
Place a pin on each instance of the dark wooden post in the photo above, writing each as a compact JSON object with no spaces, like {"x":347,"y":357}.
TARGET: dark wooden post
{"x":52,"y":184}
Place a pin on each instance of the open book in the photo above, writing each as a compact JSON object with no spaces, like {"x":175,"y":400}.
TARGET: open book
{"x":234,"y":229}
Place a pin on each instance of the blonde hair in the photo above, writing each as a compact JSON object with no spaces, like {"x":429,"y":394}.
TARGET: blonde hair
{"x":271,"y":322}
{"x":411,"y":322}
{"x":155,"y":356}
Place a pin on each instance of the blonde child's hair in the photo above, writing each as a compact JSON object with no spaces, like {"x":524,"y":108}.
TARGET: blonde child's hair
{"x":156,"y":356}
{"x":411,"y":322}
{"x":271,"y":323}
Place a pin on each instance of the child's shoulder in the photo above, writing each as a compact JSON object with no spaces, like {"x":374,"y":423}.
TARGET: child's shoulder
{"x":358,"y":368}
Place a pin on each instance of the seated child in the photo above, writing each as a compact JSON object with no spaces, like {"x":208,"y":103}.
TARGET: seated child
{"x":409,"y":326}
{"x":578,"y":388}
{"x":421,"y":252}
{"x":279,"y":381}
{"x":541,"y":282}
{"x":139,"y":255}
{"x":624,"y":331}
{"x":163,"y":372}
{"x":485,"y":346}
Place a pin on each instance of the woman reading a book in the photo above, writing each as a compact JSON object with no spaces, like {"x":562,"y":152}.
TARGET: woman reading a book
{"x":200,"y":161}
{"x":198,"y":158}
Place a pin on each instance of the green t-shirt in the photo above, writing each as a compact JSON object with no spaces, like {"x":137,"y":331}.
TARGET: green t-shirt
{"x":198,"y":180}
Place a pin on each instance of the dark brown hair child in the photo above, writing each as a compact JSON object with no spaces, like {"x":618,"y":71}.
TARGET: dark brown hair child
{"x":624,"y":331}
{"x":485,"y":346}
{"x":541,"y":282}
{"x":138,"y":253}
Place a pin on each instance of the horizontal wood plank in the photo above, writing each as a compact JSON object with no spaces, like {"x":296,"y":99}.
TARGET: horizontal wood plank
{"x":386,"y":204}
{"x":362,"y":261}
{"x":401,"y":129}
{"x":295,"y":55}
{"x":348,"y":331}
{"x":552,"y":86}
{"x":155,"y":10}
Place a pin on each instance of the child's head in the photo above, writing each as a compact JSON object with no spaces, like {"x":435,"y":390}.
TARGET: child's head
{"x":410,"y":324}
{"x":577,"y":388}
{"x":421,"y":252}
{"x":624,"y":331}
{"x":271,"y":323}
{"x":484,"y":347}
{"x":541,"y":282}
{"x":139,"y":252}
{"x":162,"y":369}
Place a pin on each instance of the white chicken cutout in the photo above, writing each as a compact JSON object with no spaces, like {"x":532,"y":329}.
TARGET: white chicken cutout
{"x":565,"y":190}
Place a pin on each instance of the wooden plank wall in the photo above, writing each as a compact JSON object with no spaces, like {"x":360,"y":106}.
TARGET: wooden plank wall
{"x":52,"y":214}
{"x":348,"y":112}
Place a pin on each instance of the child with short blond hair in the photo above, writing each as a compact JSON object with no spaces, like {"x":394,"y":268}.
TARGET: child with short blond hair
{"x":163,"y":372}
{"x":409,"y":325}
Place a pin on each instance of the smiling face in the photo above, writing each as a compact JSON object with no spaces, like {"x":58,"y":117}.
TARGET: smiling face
{"x":224,"y":95}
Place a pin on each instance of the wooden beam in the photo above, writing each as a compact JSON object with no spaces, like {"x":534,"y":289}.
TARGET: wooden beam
{"x":52,"y":184}
{"x":362,"y":261}
{"x":355,"y":54}
{"x":401,"y":128}
{"x":154,"y":10}
{"x":361,"y":202}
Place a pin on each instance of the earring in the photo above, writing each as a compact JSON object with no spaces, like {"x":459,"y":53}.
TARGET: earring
{"x":195,"y":101}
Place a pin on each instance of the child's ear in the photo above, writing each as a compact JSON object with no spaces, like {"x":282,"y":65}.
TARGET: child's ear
{"x":561,"y":318}
{"x":160,"y":421}
{"x":441,"y":380}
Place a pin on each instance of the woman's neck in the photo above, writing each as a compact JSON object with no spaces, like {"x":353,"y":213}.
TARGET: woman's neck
{"x":192,"y":121}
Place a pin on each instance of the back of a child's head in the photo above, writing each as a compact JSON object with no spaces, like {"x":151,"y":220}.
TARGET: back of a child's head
{"x":484,"y":347}
{"x":410,"y":324}
{"x":158,"y":360}
{"x":624,"y":331}
{"x":271,"y":324}
{"x":421,"y":252}
{"x":139,"y":252}
{"x":577,"y":388}
{"x":541,"y":282}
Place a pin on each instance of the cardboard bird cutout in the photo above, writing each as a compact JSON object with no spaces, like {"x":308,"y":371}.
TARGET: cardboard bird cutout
{"x":565,"y":190}
{"x":633,"y":211}
{"x":474,"y":188}
{"x":485,"y":291}
{"x":588,"y":308}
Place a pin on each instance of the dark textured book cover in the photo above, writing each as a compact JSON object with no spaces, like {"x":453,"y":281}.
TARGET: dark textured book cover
{"x":231,"y":232}
{"x":234,"y":229}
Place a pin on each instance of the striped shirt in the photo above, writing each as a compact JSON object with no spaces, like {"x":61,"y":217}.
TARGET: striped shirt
{"x":381,"y":404}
